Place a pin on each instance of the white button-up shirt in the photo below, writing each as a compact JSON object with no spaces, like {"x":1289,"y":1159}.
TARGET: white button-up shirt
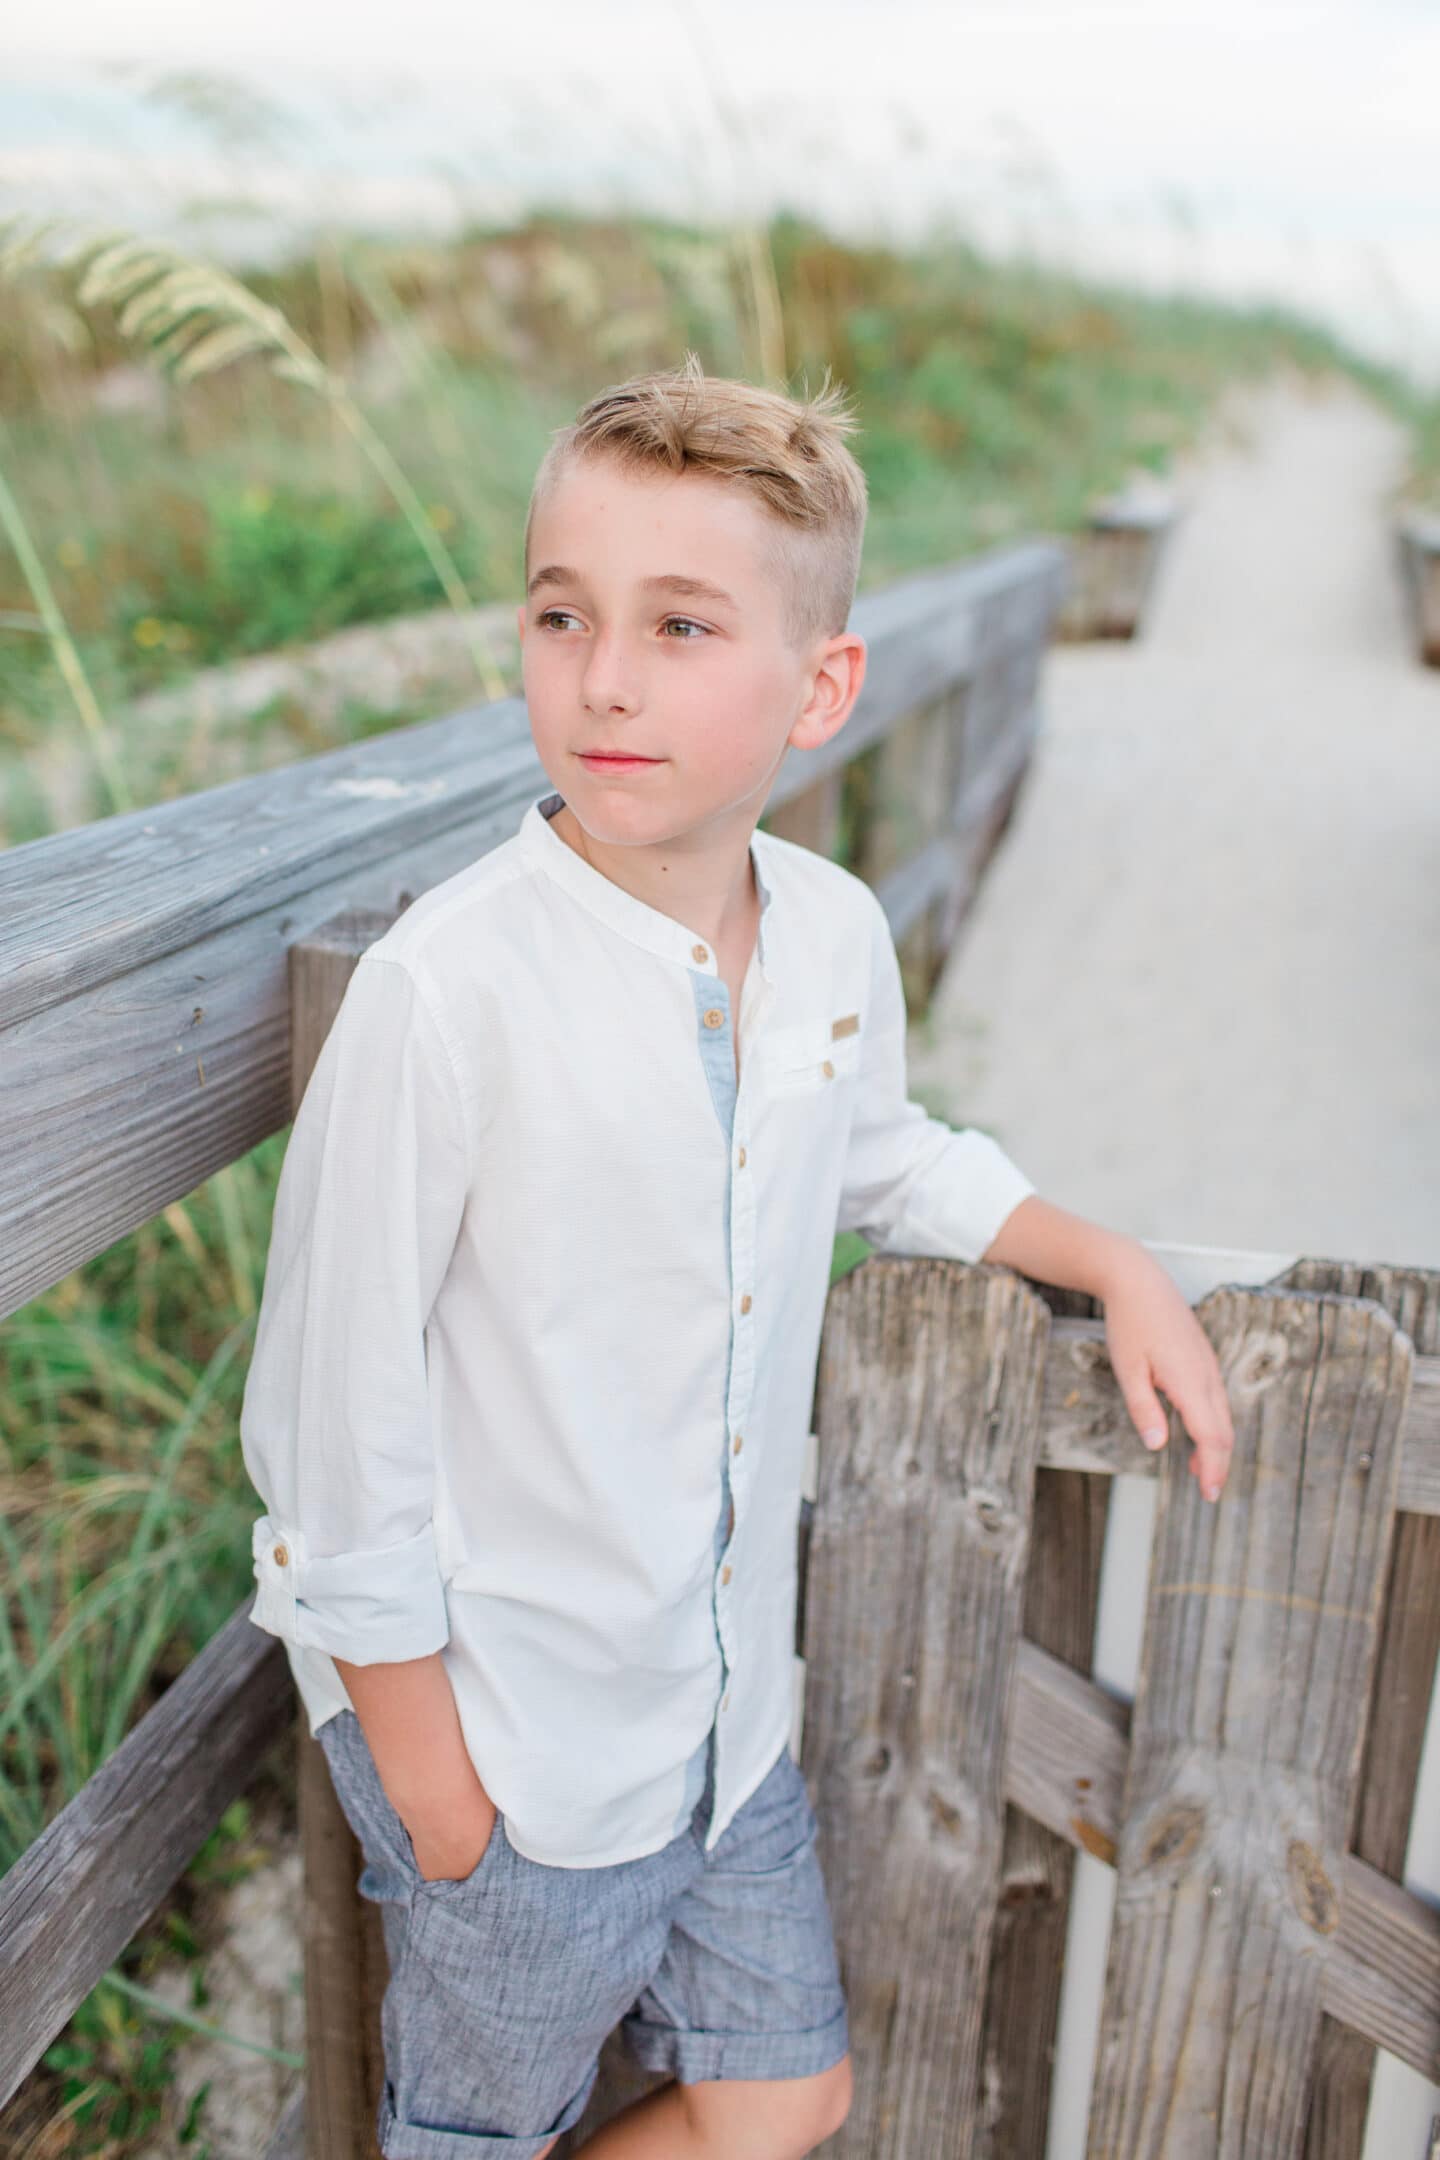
{"x":535,"y":1363}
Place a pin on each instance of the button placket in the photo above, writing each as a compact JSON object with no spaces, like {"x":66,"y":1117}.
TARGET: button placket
{"x":740,"y":1389}
{"x":742,"y":1262}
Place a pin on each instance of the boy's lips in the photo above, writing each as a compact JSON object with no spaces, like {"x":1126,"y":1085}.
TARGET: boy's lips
{"x":599,"y":762}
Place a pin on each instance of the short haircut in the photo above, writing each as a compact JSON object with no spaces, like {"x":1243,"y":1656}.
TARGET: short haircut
{"x":788,"y":454}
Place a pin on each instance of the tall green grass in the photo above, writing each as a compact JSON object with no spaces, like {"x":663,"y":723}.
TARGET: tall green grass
{"x":239,"y":505}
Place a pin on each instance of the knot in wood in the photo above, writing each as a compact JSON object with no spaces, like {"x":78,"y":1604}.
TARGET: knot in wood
{"x":990,"y":1511}
{"x":1263,"y":1361}
{"x":1311,"y":1890}
{"x":1173,"y":1836}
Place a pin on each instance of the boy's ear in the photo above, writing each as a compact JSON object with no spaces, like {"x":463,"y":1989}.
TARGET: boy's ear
{"x":837,"y":685}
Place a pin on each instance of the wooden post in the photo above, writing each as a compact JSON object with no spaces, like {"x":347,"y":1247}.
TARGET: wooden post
{"x":1113,"y":562}
{"x":1399,"y":1698}
{"x":346,"y":1966}
{"x":1417,"y":539}
{"x":1027,"y":1953}
{"x":927,"y":1414}
{"x":1261,"y":1626}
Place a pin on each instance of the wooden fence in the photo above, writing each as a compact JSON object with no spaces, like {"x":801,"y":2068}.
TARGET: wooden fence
{"x":170,"y":975}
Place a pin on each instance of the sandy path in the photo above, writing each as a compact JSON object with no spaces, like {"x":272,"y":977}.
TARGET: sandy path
{"x":1198,"y":997}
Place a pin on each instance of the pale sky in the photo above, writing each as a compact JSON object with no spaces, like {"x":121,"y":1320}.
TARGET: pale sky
{"x":1277,"y":147}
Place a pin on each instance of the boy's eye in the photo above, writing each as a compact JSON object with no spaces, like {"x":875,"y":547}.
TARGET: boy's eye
{"x":548,"y":615}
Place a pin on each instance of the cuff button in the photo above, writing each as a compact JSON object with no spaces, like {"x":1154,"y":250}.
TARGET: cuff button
{"x":280,"y":1555}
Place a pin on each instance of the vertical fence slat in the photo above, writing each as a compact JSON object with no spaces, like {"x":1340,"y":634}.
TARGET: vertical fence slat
{"x":1027,"y":1951}
{"x":346,"y":1965}
{"x":1261,"y":1625}
{"x":927,"y":1412}
{"x":912,"y":775}
{"x":1400,"y":1697}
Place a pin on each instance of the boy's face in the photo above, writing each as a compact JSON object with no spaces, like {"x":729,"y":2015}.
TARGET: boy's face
{"x":614,"y":657}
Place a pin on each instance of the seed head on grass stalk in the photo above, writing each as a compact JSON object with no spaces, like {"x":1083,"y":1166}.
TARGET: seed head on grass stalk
{"x":196,"y":319}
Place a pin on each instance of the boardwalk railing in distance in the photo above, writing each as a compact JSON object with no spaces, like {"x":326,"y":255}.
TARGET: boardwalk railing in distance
{"x":169,"y":975}
{"x":1417,"y":545}
{"x":1114,"y":561}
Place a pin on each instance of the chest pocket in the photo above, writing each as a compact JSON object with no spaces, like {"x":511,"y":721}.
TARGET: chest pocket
{"x":806,"y":1058}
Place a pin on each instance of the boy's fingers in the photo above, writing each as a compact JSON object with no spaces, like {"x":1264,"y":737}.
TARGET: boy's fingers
{"x":1206,"y":1419}
{"x":1146,"y":1409}
{"x":1214,"y":1445}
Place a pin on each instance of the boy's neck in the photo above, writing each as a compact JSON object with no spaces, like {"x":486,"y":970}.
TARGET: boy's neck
{"x":691,"y":891}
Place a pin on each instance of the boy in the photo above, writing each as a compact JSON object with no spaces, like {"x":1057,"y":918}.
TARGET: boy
{"x":535,"y":1361}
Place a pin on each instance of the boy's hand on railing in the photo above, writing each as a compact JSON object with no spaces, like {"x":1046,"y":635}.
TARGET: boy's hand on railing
{"x":1155,"y":1341}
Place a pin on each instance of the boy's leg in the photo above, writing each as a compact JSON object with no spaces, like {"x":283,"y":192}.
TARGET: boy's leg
{"x":503,"y":1985}
{"x":746,"y":2009}
{"x":728,"y":2119}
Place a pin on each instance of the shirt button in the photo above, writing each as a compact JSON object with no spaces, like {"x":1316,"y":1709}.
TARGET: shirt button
{"x":828,"y":1069}
{"x":725,"y":1700}
{"x":739,"y":1442}
{"x":714,"y":1017}
{"x":745,"y":1302}
{"x":699,"y":952}
{"x":725,"y":1573}
{"x":741,"y":1158}
{"x":280,"y":1556}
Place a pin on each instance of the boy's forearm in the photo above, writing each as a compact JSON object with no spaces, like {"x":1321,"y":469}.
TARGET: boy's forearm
{"x":1053,"y":1246}
{"x":408,"y":1715}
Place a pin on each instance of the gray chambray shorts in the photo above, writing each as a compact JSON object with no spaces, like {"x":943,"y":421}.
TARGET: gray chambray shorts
{"x":505,"y":1983}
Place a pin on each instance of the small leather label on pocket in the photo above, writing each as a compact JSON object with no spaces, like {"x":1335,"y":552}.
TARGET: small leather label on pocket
{"x":849,"y":1025}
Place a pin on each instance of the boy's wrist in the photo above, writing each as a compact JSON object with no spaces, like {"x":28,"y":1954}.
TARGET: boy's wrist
{"x":1119,"y":1259}
{"x":426,"y":1794}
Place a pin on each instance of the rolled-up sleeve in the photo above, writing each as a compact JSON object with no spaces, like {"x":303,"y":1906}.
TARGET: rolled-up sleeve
{"x":912,"y":1183}
{"x":335,"y":1424}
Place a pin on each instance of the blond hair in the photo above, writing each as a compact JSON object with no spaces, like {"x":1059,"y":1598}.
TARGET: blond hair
{"x":788,"y":454}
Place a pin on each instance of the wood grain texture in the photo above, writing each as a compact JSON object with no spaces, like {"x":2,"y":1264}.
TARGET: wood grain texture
{"x":1400,"y":1698}
{"x":1261,"y":1625}
{"x":76,"y":1896}
{"x":346,"y":1968}
{"x":106,"y":1860}
{"x":347,"y":1962}
{"x":1088,"y":1428}
{"x":1027,"y":1950}
{"x":927,"y":1403}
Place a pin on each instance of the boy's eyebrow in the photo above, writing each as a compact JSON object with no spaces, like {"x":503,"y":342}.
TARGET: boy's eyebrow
{"x":684,"y":588}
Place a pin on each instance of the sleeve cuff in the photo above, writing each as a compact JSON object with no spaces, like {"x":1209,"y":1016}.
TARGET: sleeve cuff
{"x":959,"y":1205}
{"x":371,"y":1607}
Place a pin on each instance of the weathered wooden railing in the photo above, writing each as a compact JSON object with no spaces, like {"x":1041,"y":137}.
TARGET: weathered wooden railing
{"x":1417,"y":545}
{"x":1114,"y":560}
{"x":167,"y":976}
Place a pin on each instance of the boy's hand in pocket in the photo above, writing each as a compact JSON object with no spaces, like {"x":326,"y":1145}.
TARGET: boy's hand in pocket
{"x":448,"y":1850}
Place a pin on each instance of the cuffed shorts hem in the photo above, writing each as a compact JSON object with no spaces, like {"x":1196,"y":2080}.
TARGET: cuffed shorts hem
{"x":420,"y":2141}
{"x":690,"y":2056}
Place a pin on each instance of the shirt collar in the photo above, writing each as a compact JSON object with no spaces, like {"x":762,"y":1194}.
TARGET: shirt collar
{"x":644,"y":925}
